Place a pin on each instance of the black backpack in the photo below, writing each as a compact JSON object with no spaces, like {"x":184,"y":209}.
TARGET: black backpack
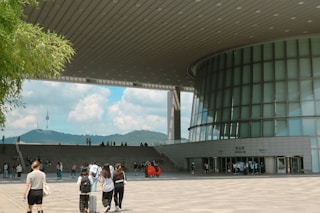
{"x":85,"y":185}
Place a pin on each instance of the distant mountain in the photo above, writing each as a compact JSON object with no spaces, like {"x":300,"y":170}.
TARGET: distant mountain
{"x":134,"y":138}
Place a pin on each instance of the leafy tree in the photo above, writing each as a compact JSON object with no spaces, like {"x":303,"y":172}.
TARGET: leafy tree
{"x":26,"y":52}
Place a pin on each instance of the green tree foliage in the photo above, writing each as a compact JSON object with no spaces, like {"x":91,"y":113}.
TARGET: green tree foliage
{"x":26,"y":52}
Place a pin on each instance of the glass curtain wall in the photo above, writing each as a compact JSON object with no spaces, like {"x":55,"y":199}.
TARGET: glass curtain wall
{"x":264,"y":90}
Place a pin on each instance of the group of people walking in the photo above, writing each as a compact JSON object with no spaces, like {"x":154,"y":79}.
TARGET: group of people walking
{"x":111,"y":181}
{"x":12,"y":172}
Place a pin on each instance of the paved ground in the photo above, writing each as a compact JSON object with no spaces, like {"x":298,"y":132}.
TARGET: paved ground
{"x":184,"y":193}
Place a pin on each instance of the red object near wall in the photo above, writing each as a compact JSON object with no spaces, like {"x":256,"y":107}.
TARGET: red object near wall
{"x":153,"y":171}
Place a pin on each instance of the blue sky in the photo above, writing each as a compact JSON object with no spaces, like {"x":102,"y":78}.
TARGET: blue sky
{"x":93,"y":109}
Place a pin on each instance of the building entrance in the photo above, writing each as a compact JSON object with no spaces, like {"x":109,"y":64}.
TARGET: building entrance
{"x":297,"y":164}
{"x":289,"y":165}
{"x":281,"y":165}
{"x":248,"y":165}
{"x":244,"y":165}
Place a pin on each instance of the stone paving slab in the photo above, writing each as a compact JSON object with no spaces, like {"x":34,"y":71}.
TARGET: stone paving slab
{"x":183,"y":193}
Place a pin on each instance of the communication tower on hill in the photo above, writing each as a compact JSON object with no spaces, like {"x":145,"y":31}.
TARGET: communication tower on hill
{"x":47,"y":118}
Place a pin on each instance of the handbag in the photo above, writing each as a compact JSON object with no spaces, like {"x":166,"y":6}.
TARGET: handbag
{"x":46,"y":190}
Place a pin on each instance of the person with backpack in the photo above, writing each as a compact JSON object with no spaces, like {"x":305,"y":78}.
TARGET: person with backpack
{"x":84,"y":181}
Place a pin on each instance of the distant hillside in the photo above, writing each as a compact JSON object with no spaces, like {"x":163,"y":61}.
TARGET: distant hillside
{"x":52,"y":137}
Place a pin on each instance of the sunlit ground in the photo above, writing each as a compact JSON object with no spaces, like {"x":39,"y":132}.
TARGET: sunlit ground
{"x":183,"y":193}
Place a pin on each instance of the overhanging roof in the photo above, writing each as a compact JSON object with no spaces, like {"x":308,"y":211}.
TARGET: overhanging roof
{"x":151,"y":43}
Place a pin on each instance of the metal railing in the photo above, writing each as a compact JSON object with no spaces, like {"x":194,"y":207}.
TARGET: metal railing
{"x":21,"y":157}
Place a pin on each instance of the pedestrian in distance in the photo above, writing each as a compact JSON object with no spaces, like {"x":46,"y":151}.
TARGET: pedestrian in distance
{"x":84,"y":181}
{"x":135,"y":168}
{"x":35,"y":182}
{"x":206,"y":168}
{"x":193,"y":167}
{"x":73,"y":171}
{"x":59,"y":175}
{"x":5,"y":170}
{"x":61,"y":169}
{"x":14,"y":171}
{"x":19,"y":170}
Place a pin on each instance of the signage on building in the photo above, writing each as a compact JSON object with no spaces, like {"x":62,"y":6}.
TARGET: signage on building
{"x":240,"y":150}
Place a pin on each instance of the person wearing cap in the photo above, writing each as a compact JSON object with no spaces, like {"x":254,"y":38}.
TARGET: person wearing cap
{"x":34,"y":187}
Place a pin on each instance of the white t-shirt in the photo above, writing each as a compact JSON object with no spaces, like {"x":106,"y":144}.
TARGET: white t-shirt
{"x":108,"y":184}
{"x":19,"y":168}
{"x":94,"y":169}
{"x":36,"y":179}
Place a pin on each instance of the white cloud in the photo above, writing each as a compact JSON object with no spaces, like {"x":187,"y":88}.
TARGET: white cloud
{"x":147,"y":109}
{"x":90,"y":108}
{"x":23,"y":122}
{"x":140,"y":109}
{"x":145,"y":97}
{"x":87,"y":109}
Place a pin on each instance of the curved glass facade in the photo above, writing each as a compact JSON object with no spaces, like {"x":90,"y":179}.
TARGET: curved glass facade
{"x":265,"y":90}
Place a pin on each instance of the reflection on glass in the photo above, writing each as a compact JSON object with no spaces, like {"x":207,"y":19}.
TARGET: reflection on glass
{"x":268,"y":89}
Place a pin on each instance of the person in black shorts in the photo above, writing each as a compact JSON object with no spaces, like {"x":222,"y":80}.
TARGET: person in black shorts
{"x":34,"y":187}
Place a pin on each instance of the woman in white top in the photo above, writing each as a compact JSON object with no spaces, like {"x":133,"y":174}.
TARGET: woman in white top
{"x":106,"y":179}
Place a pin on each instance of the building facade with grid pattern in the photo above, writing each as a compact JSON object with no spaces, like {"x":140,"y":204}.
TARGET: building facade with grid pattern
{"x":261,"y":91}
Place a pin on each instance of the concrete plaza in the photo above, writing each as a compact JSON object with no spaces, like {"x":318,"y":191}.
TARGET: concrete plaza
{"x":183,"y":193}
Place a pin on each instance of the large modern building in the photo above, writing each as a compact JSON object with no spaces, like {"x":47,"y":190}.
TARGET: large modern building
{"x":253,"y":66}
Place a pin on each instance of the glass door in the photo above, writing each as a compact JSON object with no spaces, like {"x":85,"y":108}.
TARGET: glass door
{"x":296,"y":164}
{"x":281,"y":165}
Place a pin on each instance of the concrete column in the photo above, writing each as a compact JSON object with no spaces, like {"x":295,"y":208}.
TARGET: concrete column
{"x":174,"y":115}
{"x":215,"y":168}
{"x":270,"y":165}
